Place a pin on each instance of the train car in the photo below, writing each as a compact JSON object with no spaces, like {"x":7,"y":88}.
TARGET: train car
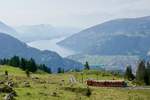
{"x":106,"y":83}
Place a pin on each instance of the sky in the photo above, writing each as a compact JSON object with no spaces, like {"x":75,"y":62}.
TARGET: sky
{"x":71,"y":13}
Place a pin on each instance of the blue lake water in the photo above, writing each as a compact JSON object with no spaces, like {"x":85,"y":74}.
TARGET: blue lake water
{"x":51,"y":45}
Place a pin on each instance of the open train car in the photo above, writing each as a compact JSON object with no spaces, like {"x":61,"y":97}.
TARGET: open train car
{"x":107,"y":83}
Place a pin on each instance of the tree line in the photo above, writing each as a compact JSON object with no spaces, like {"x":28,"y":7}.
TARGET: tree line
{"x":142,"y":75}
{"x":26,"y":65}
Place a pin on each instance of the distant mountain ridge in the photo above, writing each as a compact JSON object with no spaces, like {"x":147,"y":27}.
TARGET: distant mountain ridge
{"x":30,"y":33}
{"x":7,"y":29}
{"x":129,"y":36}
{"x":117,"y":62}
{"x":11,"y":46}
{"x":35,"y":32}
{"x":42,"y":31}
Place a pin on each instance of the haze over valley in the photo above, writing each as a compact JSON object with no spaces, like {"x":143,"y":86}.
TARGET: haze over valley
{"x":74,"y":49}
{"x":100,"y":41}
{"x":52,"y":45}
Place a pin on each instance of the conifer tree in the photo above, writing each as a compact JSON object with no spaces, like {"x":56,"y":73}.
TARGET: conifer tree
{"x":14,"y":61}
{"x":23,"y":64}
{"x":128,"y":73}
{"x":45,"y":68}
{"x":141,"y":71}
{"x":60,"y":70}
{"x":148,"y":73}
{"x":86,"y":66}
{"x":32,"y":65}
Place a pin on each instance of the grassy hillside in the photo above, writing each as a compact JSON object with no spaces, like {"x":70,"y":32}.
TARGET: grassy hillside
{"x":45,"y":86}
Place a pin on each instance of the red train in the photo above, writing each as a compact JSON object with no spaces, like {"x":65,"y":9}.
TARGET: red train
{"x":107,"y":83}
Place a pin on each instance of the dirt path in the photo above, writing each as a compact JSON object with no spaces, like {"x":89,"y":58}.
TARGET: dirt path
{"x":138,"y":87}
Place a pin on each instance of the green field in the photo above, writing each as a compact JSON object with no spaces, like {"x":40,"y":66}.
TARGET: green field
{"x":45,"y":86}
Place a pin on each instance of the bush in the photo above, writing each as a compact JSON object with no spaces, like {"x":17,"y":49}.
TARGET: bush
{"x":6,"y":72}
{"x":88,"y":92}
{"x":27,"y":73}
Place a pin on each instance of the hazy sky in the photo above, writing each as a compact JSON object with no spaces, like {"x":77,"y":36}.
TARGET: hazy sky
{"x":74,"y":13}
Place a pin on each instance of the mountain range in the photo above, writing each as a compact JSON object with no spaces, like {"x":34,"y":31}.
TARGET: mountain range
{"x":35,"y":32}
{"x":29,"y":33}
{"x":7,"y":29}
{"x":116,"y":62}
{"x":114,"y":43}
{"x":127,"y":36}
{"x":11,"y":46}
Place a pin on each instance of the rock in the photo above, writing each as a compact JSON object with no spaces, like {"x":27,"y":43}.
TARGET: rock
{"x":10,"y":84}
{"x":9,"y":96}
{"x":6,"y":89}
{"x":42,"y":81}
{"x":72,"y":79}
{"x":35,"y":78}
{"x":14,"y":93}
{"x":6,"y":77}
{"x":54,"y":94}
{"x":2,"y":82}
{"x":26,"y":84}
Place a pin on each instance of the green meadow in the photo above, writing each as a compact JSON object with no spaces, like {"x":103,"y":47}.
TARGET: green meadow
{"x":45,"y":86}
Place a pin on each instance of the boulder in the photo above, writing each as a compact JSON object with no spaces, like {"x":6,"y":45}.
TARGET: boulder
{"x":6,"y":89}
{"x":10,"y":83}
{"x":2,"y":82}
{"x":10,"y":96}
{"x":26,"y":84}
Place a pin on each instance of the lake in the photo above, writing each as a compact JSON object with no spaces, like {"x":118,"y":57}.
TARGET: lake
{"x":52,"y":46}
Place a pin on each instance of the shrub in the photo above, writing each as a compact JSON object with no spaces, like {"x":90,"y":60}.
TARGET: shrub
{"x":27,"y":73}
{"x":88,"y":92}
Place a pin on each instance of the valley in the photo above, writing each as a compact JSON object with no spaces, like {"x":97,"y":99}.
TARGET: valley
{"x":75,"y":50}
{"x":51,"y":44}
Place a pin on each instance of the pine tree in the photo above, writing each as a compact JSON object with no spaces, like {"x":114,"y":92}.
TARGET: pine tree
{"x":23,"y":64}
{"x":44,"y":68}
{"x":5,"y":61}
{"x":128,"y":73}
{"x":1,"y":62}
{"x":49,"y":70}
{"x":14,"y":61}
{"x":86,"y":66}
{"x":31,"y":66}
{"x":141,"y":72}
{"x":148,"y":73}
{"x":60,"y":70}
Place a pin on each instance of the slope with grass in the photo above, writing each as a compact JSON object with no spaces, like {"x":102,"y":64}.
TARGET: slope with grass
{"x":45,"y":86}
